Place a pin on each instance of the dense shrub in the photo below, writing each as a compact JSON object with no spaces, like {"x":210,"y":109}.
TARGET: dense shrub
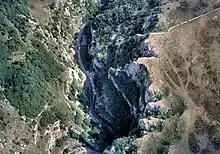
{"x":60,"y":142}
{"x":31,"y":81}
{"x":73,"y":90}
{"x":125,"y":145}
{"x":160,"y":143}
{"x":193,"y":143}
{"x":121,"y":21}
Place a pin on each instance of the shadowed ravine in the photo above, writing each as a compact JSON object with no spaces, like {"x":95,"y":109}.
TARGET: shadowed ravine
{"x":82,"y":46}
{"x":122,"y":88}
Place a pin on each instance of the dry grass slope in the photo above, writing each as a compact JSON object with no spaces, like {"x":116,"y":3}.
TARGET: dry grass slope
{"x":189,"y":62}
{"x":189,"y":65}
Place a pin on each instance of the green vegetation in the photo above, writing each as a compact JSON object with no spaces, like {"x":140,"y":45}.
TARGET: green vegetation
{"x":30,"y":84}
{"x":63,"y":113}
{"x":163,"y":114}
{"x":28,"y":71}
{"x":159,"y":143}
{"x":73,"y":135}
{"x":33,"y":63}
{"x":73,"y":91}
{"x":125,"y":145}
{"x":178,"y":106}
{"x":193,"y":143}
{"x":91,"y":7}
{"x":60,"y":142}
{"x":78,"y":119}
{"x":2,"y":96}
{"x":121,"y":21}
{"x":55,"y":113}
{"x":66,"y":151}
{"x":157,"y":96}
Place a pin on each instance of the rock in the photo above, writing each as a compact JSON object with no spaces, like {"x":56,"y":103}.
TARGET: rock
{"x":97,"y":65}
{"x":144,"y":124}
{"x":133,"y":83}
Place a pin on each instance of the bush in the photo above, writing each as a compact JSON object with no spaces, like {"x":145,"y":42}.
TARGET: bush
{"x":30,"y":82}
{"x":73,"y":135}
{"x":125,"y":145}
{"x":60,"y":142}
{"x":184,"y":6}
{"x":124,"y":19}
{"x":78,"y":118}
{"x":157,"y":96}
{"x":66,"y":151}
{"x":160,"y":142}
{"x":193,"y":143}
{"x":73,"y":91}
{"x":55,"y":113}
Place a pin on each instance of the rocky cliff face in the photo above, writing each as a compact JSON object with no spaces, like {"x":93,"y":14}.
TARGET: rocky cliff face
{"x":132,"y":83}
{"x":123,"y":101}
{"x":115,"y":39}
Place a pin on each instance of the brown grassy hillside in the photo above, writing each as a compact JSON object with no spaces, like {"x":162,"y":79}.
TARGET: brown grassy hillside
{"x":188,"y":65}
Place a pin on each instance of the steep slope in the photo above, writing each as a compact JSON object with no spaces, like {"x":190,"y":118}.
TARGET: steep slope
{"x":134,"y":90}
{"x":187,"y":67}
{"x":116,"y":90}
{"x":39,"y":79}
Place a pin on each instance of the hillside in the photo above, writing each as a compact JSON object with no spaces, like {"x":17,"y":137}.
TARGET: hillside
{"x":187,"y":70}
{"x":109,"y":76}
{"x":39,"y":78}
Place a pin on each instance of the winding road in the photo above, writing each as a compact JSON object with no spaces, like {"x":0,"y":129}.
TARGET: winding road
{"x":82,"y":44}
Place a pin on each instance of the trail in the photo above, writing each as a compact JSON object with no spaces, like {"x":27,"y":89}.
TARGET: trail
{"x":190,"y":20}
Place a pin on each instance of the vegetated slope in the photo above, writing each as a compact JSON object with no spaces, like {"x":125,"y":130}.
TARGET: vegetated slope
{"x":36,"y":69}
{"x":188,"y":62}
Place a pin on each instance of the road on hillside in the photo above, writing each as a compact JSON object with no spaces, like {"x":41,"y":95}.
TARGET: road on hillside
{"x":82,"y":46}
